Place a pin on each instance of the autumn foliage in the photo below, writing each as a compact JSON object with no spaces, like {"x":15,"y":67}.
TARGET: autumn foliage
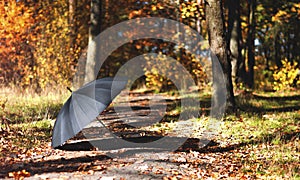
{"x":15,"y":46}
{"x":37,"y":50}
{"x":41,"y":41}
{"x":41,"y":45}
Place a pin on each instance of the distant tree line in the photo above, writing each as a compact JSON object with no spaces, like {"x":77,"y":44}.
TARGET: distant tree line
{"x":41,"y":42}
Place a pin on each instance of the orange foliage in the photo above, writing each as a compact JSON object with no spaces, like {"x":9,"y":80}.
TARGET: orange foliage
{"x":15,"y":48}
{"x":285,"y":15}
{"x":36,"y":48}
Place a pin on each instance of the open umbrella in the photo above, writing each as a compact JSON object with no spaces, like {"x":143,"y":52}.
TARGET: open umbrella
{"x":84,"y":106}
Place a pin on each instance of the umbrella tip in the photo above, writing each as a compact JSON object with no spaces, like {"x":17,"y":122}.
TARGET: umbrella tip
{"x":69,"y":89}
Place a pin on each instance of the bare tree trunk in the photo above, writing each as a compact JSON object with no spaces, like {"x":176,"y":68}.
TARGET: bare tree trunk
{"x":93,"y":46}
{"x":277,"y":50}
{"x":72,"y":33}
{"x":234,"y":36}
{"x":198,"y":21}
{"x":250,"y":44}
{"x":72,"y":21}
{"x":218,"y":46}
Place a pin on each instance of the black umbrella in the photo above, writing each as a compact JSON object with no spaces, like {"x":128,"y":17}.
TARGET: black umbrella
{"x":84,"y":106}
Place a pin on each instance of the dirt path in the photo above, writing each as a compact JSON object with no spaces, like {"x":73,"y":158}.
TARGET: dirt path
{"x":96,"y":165}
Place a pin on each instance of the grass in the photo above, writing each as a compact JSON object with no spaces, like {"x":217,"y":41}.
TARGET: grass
{"x":265,"y":132}
{"x":30,"y":118}
{"x":270,"y":129}
{"x":26,"y":108}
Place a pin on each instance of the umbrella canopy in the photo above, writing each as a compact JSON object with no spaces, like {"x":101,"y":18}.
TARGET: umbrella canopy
{"x":84,"y":106}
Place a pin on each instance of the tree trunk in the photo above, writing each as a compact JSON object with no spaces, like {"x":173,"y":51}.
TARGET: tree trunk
{"x":93,"y":46}
{"x":250,"y":44}
{"x":73,"y":33}
{"x":277,"y":50}
{"x":72,"y":21}
{"x":198,"y":21}
{"x":234,"y":37}
{"x":218,"y":46}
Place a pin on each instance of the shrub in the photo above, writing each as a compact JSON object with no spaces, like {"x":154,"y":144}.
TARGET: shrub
{"x":287,"y":76}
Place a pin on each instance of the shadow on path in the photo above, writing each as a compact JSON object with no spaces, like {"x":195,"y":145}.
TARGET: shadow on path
{"x":73,"y":164}
{"x":57,"y":166}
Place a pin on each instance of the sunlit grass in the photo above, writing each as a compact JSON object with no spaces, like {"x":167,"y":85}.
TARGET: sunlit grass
{"x":42,"y":124}
{"x":266,"y":136}
{"x":21,"y":108}
{"x":30,"y":118}
{"x":271,"y":137}
{"x":269,"y":101}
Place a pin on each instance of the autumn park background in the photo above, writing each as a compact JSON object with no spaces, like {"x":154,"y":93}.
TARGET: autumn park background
{"x":44,"y":43}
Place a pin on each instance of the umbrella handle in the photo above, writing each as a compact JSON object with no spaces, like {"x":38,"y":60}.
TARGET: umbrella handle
{"x":69,"y":89}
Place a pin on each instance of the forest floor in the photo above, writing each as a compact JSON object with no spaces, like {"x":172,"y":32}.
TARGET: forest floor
{"x":261,"y":141}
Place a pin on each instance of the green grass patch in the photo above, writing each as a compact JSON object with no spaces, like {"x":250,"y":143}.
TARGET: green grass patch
{"x":265,"y":134}
{"x":268,"y":131}
{"x":30,"y":118}
{"x":23,"y":108}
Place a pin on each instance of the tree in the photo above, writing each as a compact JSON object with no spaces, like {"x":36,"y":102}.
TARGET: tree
{"x":216,"y":33}
{"x":72,"y":24}
{"x":234,"y":40}
{"x":250,"y":43}
{"x":94,"y":30}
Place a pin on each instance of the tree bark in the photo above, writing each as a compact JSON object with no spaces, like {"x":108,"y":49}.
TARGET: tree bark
{"x":73,"y":33}
{"x":250,"y":44}
{"x":234,"y":37}
{"x":93,"y":46}
{"x":218,"y":46}
{"x":72,"y":21}
{"x":277,"y":50}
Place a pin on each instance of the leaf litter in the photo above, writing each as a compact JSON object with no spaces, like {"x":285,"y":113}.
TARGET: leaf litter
{"x":231,"y":155}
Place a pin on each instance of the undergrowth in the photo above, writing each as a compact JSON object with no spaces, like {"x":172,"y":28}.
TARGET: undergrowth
{"x":264,"y":133}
